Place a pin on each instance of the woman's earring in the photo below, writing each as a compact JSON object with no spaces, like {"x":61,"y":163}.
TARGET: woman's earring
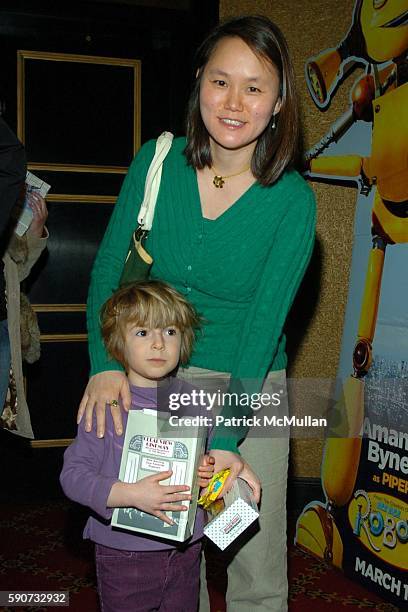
{"x":273,"y":126}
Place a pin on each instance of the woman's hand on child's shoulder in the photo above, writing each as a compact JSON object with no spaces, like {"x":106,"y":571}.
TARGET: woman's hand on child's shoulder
{"x":105,"y":388}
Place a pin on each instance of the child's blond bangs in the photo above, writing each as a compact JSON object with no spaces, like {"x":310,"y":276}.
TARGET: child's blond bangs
{"x":157,"y":310}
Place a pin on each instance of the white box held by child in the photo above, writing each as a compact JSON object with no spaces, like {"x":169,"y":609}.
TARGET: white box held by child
{"x":231,"y":515}
{"x":151,"y":446}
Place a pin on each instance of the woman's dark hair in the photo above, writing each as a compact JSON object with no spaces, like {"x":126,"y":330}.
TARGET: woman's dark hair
{"x":277,"y":148}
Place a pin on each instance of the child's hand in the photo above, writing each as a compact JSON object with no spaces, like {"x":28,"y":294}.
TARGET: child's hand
{"x":227,"y":459}
{"x":205,"y":470}
{"x":150,"y":496}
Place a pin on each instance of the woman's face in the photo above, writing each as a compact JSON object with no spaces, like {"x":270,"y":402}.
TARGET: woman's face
{"x":239,"y":92}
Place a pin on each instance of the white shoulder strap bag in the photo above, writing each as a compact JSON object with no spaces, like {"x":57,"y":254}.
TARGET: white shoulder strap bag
{"x":138,"y":261}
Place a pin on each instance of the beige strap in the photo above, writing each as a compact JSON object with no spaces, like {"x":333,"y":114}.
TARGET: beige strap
{"x":153,"y":178}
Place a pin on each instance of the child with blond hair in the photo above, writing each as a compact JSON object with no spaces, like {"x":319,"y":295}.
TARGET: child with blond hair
{"x":149,"y":329}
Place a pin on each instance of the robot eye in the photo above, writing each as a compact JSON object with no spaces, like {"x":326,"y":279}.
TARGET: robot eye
{"x":377,"y":4}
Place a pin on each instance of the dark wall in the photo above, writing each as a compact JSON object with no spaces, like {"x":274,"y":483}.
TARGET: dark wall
{"x":163,"y":39}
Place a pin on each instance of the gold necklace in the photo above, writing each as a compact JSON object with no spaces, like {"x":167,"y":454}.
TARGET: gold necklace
{"x":218,"y":180}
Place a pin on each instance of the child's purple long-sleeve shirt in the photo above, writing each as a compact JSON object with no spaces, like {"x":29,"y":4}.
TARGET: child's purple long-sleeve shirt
{"x":91,"y":467}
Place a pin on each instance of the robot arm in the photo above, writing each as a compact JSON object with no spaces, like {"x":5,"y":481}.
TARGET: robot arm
{"x":346,"y":165}
{"x":337,"y":165}
{"x":337,"y":130}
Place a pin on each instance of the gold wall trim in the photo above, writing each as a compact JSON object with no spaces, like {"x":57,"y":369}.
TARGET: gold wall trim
{"x":91,"y":199}
{"x":51,"y":443}
{"x":137,"y":111}
{"x":64,"y":337}
{"x":135,"y":64}
{"x":77,"y":167}
{"x":73,"y":57}
{"x":59,"y":307}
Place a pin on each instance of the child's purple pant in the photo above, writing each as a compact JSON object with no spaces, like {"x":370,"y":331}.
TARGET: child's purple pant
{"x":165,"y":580}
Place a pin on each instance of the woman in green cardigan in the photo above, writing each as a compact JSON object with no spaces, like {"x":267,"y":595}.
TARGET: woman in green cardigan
{"x":233,"y":231}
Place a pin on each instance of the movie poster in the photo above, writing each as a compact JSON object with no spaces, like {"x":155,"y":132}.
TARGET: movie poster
{"x":363,"y":526}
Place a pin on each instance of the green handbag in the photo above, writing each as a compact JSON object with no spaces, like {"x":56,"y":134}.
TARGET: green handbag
{"x":138,"y":261}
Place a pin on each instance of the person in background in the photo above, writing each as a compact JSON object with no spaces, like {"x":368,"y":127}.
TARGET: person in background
{"x":233,"y":232}
{"x":17,"y":340}
{"x":12,"y":175}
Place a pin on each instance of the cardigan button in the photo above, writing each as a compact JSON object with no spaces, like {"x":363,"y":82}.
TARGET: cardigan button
{"x":188,"y":267}
{"x":188,"y":289}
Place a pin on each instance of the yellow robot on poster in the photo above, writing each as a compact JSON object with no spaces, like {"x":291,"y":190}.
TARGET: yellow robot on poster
{"x":378,"y":41}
